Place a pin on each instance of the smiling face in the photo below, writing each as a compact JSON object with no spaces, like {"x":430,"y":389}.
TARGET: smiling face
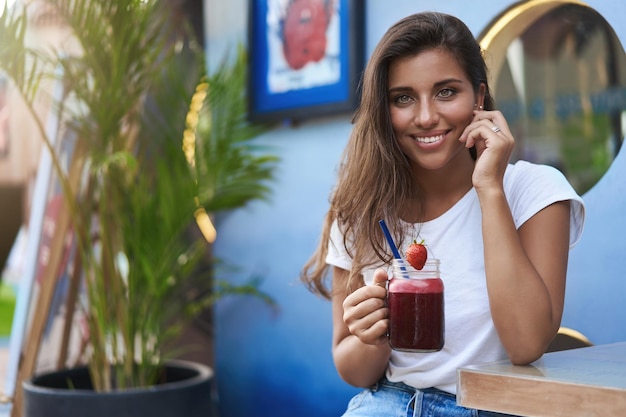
{"x":431,"y":101}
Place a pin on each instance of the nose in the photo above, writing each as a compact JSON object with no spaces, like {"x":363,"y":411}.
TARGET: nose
{"x":426,"y":114}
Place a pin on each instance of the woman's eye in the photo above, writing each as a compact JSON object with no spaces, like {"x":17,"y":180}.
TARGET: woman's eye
{"x":403,"y":99}
{"x":446,"y":93}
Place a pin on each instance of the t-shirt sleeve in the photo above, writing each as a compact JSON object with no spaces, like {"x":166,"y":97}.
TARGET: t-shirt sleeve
{"x":533,"y":187}
{"x":337,"y":254}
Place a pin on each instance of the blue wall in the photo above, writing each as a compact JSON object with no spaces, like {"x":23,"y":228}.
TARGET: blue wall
{"x":595,"y":297}
{"x":279,"y":363}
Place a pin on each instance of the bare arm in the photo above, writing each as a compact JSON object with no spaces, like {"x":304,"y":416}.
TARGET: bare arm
{"x":525,"y":273}
{"x":360,"y":348}
{"x":525,"y":268}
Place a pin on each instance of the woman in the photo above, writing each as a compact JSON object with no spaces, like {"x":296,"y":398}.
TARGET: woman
{"x":429,"y":154}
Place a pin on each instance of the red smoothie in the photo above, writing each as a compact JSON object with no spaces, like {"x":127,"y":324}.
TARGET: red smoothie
{"x":416,"y":314}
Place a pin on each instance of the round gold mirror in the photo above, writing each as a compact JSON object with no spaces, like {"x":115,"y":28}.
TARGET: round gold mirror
{"x":558,"y":72}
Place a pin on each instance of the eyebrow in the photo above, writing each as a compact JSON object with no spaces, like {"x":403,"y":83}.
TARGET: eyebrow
{"x":436,"y":85}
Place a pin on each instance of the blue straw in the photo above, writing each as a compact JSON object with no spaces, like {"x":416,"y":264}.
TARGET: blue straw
{"x":392,"y":244}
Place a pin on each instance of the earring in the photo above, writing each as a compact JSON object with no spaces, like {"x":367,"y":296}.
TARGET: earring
{"x":480,"y":107}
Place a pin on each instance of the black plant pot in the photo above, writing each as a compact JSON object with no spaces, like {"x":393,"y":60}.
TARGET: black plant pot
{"x":68,"y":393}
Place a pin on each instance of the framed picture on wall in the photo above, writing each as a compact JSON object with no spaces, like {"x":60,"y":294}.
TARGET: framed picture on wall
{"x":305,"y":58}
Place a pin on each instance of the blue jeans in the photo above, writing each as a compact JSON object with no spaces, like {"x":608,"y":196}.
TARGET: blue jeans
{"x":395,"y":399}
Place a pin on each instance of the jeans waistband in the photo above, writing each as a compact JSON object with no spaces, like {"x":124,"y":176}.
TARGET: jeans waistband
{"x":401,"y":386}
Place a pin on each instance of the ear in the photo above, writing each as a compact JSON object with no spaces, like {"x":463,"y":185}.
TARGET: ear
{"x":480,"y":96}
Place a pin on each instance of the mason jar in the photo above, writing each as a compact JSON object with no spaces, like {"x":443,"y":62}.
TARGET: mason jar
{"x":416,"y":307}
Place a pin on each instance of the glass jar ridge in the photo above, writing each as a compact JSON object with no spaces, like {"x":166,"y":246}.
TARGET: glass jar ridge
{"x":402,"y":269}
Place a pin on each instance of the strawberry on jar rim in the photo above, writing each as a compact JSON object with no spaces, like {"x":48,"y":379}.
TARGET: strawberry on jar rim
{"x":416,"y":254}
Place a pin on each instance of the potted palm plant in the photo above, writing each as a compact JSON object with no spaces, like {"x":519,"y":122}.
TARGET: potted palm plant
{"x":158,"y":146}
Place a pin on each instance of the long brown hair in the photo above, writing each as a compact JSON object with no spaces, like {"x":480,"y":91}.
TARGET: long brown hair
{"x":374,"y":178}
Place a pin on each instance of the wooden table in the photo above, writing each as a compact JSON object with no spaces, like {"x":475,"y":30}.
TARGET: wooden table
{"x":589,"y":382}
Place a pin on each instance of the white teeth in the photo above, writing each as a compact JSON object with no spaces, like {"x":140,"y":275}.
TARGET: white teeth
{"x":429,"y":139}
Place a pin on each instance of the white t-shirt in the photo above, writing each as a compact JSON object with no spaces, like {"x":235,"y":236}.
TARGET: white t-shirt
{"x":455,"y":238}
